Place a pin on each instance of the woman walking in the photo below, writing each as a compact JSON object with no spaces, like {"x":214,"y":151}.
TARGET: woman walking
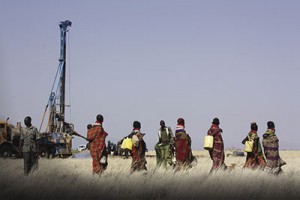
{"x":271,"y":148}
{"x":255,"y":159}
{"x":183,"y":150}
{"x":96,"y":136}
{"x":217,"y":152}
{"x":138,"y":149}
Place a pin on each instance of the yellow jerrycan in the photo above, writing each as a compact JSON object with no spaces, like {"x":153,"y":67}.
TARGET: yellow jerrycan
{"x":249,"y":146}
{"x":127,"y":144}
{"x":208,"y":142}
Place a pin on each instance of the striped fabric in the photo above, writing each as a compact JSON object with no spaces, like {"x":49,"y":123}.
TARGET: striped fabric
{"x":271,"y":148}
{"x":217,"y":153}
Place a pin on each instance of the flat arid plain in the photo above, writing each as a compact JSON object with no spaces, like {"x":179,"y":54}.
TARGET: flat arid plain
{"x":72,"y":178}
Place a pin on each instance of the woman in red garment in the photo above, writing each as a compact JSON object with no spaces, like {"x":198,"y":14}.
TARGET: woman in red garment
{"x":217,"y":153}
{"x":96,"y":136}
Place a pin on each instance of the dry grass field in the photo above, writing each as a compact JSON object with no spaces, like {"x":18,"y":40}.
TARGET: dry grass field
{"x":72,"y":179}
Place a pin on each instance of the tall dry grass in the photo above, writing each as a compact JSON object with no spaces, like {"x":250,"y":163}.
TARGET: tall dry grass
{"x":72,"y":179}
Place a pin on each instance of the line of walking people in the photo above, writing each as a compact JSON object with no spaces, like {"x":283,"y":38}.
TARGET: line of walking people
{"x":179,"y":147}
{"x":167,"y":148}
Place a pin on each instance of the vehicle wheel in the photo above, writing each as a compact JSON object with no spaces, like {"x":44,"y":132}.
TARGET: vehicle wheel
{"x":44,"y":152}
{"x":6,"y":151}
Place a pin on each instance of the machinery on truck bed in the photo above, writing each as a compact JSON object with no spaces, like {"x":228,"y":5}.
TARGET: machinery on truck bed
{"x":57,"y":138}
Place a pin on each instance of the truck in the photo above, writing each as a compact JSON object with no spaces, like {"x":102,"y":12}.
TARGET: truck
{"x":50,"y":145}
{"x":9,"y":139}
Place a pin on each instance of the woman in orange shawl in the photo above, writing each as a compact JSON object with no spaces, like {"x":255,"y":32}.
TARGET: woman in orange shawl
{"x":96,"y":136}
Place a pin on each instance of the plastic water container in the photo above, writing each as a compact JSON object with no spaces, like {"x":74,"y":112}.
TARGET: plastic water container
{"x":103,"y":160}
{"x":208,"y":142}
{"x":249,"y":146}
{"x":127,"y":144}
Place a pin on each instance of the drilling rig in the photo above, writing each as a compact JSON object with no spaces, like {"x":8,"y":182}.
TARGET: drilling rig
{"x":57,"y":138}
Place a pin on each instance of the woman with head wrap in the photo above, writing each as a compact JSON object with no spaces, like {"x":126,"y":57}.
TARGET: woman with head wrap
{"x":255,"y":159}
{"x":183,"y":150}
{"x":96,"y":136}
{"x":138,"y":149}
{"x":217,"y":152}
{"x":271,"y":148}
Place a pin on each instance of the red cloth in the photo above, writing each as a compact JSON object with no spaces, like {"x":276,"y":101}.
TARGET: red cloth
{"x":138,"y":155}
{"x":180,"y":121}
{"x":182,"y":149}
{"x":217,"y":153}
{"x":96,"y":135}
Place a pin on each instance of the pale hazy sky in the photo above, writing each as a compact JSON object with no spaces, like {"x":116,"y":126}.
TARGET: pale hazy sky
{"x":152,"y":60}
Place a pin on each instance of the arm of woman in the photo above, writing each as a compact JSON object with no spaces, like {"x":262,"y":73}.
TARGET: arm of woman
{"x":213,"y":132}
{"x":244,"y":140}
